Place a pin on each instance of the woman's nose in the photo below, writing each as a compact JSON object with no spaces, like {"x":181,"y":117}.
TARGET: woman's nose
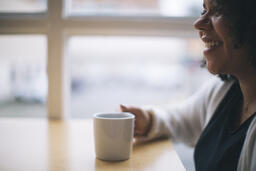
{"x":202,"y":23}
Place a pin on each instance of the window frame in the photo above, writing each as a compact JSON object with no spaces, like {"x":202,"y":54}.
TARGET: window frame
{"x":58,"y":28}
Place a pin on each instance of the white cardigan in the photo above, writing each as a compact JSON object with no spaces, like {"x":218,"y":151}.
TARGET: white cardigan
{"x":185,"y":122}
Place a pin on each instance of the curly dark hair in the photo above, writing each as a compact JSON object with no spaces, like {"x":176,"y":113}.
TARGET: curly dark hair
{"x":241,"y":19}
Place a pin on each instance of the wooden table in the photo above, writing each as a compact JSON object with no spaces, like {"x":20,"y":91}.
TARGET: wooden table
{"x":42,"y":145}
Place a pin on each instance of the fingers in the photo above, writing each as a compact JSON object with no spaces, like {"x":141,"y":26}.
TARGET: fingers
{"x":130,"y":109}
{"x":140,"y":119}
{"x":126,"y":109}
{"x":134,"y":110}
{"x":137,"y":133}
{"x":123,"y":108}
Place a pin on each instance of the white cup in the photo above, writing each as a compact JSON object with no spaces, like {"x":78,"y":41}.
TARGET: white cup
{"x":113,"y":135}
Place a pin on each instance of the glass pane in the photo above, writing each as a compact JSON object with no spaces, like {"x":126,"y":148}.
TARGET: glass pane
{"x":23,"y":76}
{"x":108,"y":71}
{"x":27,"y":6}
{"x":134,"y":7}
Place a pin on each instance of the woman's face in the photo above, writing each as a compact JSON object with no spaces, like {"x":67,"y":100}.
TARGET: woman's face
{"x":221,"y":56}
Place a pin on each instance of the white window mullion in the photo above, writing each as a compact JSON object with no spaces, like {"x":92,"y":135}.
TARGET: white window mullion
{"x":181,"y":27}
{"x":58,"y":83}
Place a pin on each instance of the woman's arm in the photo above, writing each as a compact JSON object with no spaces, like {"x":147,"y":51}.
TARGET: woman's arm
{"x":186,"y":121}
{"x":247,"y":160}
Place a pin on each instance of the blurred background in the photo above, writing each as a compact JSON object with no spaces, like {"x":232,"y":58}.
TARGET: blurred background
{"x":104,"y":70}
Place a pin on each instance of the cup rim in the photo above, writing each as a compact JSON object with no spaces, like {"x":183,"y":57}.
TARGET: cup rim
{"x":127,"y":115}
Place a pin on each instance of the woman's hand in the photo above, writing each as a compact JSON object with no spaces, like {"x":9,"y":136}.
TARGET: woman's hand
{"x":143,"y":120}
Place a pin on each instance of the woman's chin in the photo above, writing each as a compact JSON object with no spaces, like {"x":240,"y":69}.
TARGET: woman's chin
{"x":213,"y":69}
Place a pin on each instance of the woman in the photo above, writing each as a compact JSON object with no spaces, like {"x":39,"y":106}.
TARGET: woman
{"x":219,"y":120}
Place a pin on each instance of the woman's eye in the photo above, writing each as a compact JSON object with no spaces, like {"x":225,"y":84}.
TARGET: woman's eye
{"x":203,"y":12}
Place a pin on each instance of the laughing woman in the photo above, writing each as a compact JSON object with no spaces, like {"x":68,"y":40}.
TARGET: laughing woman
{"x":219,"y":120}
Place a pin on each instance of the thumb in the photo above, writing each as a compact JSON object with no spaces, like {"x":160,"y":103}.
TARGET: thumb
{"x":123,"y":108}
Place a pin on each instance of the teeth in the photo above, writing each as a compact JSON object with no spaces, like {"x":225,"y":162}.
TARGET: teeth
{"x":212,"y":44}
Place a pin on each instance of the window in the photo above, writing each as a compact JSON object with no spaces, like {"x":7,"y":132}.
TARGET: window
{"x":23,"y":76}
{"x":110,"y":70}
{"x":163,"y":8}
{"x":69,"y":25}
{"x":23,"y":6}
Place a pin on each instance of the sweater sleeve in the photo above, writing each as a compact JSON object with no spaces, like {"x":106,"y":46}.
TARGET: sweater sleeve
{"x":185,"y":122}
{"x":247,"y":160}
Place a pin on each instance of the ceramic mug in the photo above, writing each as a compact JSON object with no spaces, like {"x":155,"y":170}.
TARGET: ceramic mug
{"x":113,"y":135}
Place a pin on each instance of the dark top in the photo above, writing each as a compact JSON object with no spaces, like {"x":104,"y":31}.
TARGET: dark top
{"x":220,"y":144}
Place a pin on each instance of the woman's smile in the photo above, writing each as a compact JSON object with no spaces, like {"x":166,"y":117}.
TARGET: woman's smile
{"x":211,"y":45}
